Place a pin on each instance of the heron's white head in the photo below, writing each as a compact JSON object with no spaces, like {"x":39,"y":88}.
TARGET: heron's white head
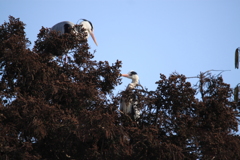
{"x":87,"y":25}
{"x":132,"y":75}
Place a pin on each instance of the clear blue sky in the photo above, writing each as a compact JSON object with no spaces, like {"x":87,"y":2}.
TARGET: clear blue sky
{"x":148,"y":36}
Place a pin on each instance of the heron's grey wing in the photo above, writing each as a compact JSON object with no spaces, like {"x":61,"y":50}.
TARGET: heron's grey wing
{"x":128,"y":107}
{"x":59,"y":27}
{"x":236,"y":92}
{"x":125,"y":106}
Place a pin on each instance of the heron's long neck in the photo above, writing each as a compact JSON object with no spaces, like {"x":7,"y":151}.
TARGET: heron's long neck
{"x":133,"y":84}
{"x":135,"y":81}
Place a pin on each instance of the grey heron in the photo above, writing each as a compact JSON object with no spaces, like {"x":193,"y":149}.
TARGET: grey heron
{"x":237,"y":57}
{"x":130,"y":106}
{"x":237,"y":94}
{"x":66,"y":27}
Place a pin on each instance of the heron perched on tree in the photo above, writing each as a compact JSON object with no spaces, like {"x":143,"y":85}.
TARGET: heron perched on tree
{"x":237,"y":94}
{"x":130,"y":106}
{"x":237,"y":57}
{"x":66,"y":27}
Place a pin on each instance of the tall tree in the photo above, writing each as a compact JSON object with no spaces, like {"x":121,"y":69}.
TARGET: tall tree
{"x":56,"y":102}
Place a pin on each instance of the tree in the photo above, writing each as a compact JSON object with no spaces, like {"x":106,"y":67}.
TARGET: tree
{"x":51,"y":108}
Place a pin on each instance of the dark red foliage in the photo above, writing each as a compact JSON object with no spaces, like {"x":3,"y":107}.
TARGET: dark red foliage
{"x":55,"y":108}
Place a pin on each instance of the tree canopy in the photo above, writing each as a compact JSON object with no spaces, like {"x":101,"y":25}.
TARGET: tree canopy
{"x":56,"y":102}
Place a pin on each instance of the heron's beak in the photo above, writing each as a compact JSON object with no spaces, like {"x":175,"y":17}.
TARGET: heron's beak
{"x":93,"y":37}
{"x":125,"y":75}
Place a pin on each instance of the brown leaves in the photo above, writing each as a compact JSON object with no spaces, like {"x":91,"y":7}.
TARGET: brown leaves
{"x":55,"y":109}
{"x":43,"y":96}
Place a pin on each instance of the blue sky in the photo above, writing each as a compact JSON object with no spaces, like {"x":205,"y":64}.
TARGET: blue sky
{"x":148,"y":36}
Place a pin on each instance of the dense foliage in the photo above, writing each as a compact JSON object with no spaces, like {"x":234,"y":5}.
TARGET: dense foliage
{"x":54,"y":106}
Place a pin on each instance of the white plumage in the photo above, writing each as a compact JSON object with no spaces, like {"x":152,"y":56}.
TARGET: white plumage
{"x":67,"y":26}
{"x":130,"y":106}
